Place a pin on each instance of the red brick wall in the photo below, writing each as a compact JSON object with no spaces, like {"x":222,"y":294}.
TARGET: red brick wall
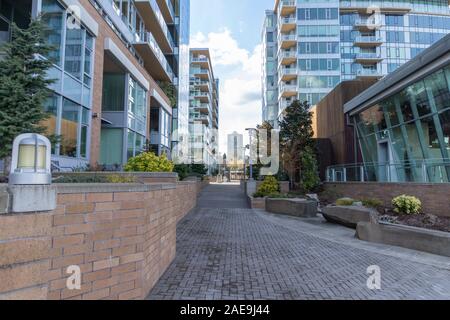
{"x":435,"y":197}
{"x":123,"y":242}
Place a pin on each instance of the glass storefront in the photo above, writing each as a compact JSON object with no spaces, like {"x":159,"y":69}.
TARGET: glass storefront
{"x":406,"y":137}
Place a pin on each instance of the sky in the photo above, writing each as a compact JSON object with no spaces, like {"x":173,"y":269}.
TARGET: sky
{"x":231,"y":29}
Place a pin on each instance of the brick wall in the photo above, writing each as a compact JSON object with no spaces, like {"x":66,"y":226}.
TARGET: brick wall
{"x":123,"y":237}
{"x":435,"y":197}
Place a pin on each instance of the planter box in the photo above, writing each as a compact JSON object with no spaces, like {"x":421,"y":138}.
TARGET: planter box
{"x":292,"y":207}
{"x":436,"y":242}
{"x":348,"y":216}
{"x":257,"y":203}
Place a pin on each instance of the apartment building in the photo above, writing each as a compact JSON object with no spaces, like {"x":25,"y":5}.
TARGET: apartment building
{"x":203,"y":110}
{"x":111,"y":62}
{"x":236,"y":151}
{"x":317,"y":44}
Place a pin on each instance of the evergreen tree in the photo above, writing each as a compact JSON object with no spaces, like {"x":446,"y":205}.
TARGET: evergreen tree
{"x":23,"y":84}
{"x":297,"y":145}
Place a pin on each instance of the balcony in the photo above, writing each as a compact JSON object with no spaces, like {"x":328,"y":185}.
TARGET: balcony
{"x":368,"y":41}
{"x":288,"y":74}
{"x":288,"y":41}
{"x":287,"y":7}
{"x":200,"y":95}
{"x":167,"y":10}
{"x":288,"y":90}
{"x":396,"y":7}
{"x":201,"y":73}
{"x":288,"y":57}
{"x":200,"y":118}
{"x":154,"y":60}
{"x":155,"y":22}
{"x":368,"y":74}
{"x":367,"y":24}
{"x":203,"y":62}
{"x":368,"y":58}
{"x":288,"y":24}
{"x":201,"y":84}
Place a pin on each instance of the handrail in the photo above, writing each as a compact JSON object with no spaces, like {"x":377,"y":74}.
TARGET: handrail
{"x":420,"y":170}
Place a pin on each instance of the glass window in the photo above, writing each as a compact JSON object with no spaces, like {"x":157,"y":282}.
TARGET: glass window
{"x":444,"y":118}
{"x":111,"y":146}
{"x":113,"y":92}
{"x":53,"y":17}
{"x":437,"y":84}
{"x":69,"y":128}
{"x":74,"y":52}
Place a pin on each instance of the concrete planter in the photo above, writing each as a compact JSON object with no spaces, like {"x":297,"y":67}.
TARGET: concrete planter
{"x":348,"y":216}
{"x":257,"y":203}
{"x":292,"y":207}
{"x":436,"y":242}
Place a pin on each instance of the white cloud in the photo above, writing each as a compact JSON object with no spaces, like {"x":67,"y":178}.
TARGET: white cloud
{"x":239,"y":71}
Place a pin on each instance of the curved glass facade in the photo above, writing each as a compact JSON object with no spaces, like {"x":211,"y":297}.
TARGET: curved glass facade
{"x":406,"y":137}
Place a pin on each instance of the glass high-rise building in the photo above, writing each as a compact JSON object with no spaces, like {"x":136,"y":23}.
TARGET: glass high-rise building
{"x":311,"y":46}
{"x":203,"y":110}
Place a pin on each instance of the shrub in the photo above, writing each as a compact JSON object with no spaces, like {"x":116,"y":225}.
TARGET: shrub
{"x":407,"y":205}
{"x":182,"y":170}
{"x":372,"y":203}
{"x":309,"y":174}
{"x":149,"y":162}
{"x":270,"y":185}
{"x":116,"y":178}
{"x":345,"y":202}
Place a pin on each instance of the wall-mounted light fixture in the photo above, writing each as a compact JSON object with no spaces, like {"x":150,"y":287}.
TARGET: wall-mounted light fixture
{"x":31,"y":160}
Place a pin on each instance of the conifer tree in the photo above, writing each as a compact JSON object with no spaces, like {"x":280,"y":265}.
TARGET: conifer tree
{"x":23,"y":84}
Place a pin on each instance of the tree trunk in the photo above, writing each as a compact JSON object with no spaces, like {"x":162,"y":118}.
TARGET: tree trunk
{"x":6,"y":166}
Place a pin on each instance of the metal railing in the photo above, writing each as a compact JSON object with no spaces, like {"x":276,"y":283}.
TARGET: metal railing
{"x":420,"y":171}
{"x":147,"y":37}
{"x":366,"y":55}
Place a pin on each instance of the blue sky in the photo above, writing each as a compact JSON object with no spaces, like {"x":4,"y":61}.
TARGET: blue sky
{"x":232,"y":31}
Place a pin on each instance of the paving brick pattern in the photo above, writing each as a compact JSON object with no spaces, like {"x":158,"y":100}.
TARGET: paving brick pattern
{"x":227,"y":251}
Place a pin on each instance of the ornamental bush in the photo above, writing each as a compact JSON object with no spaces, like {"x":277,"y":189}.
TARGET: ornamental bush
{"x":407,"y":205}
{"x":149,"y":162}
{"x":269,"y":186}
{"x":345,"y":202}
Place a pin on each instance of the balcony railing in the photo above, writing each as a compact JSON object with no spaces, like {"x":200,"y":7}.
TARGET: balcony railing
{"x":288,"y":54}
{"x":368,"y":39}
{"x":368,"y":73}
{"x":288,"y":37}
{"x":368,"y":55}
{"x":147,"y":37}
{"x":369,"y":23}
{"x":420,"y":171}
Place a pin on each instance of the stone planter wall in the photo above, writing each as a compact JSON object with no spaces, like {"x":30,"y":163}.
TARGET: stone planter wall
{"x":348,"y":216}
{"x":257,"y":203}
{"x":123,"y":237}
{"x":431,"y":241}
{"x":292,"y":207}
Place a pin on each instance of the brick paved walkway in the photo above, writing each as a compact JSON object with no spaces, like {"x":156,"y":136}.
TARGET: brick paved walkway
{"x":227,"y":251}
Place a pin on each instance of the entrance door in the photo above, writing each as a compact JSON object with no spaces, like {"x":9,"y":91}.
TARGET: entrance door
{"x":383,"y":161}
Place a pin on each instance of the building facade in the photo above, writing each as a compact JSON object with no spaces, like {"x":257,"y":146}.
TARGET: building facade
{"x":323,"y":42}
{"x":235,"y":147}
{"x":203,"y":111}
{"x":403,"y":123}
{"x":112,"y":62}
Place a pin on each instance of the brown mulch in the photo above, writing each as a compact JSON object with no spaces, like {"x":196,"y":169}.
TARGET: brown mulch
{"x":427,"y":221}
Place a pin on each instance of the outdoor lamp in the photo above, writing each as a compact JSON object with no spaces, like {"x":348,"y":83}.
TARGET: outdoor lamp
{"x":31,"y":156}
